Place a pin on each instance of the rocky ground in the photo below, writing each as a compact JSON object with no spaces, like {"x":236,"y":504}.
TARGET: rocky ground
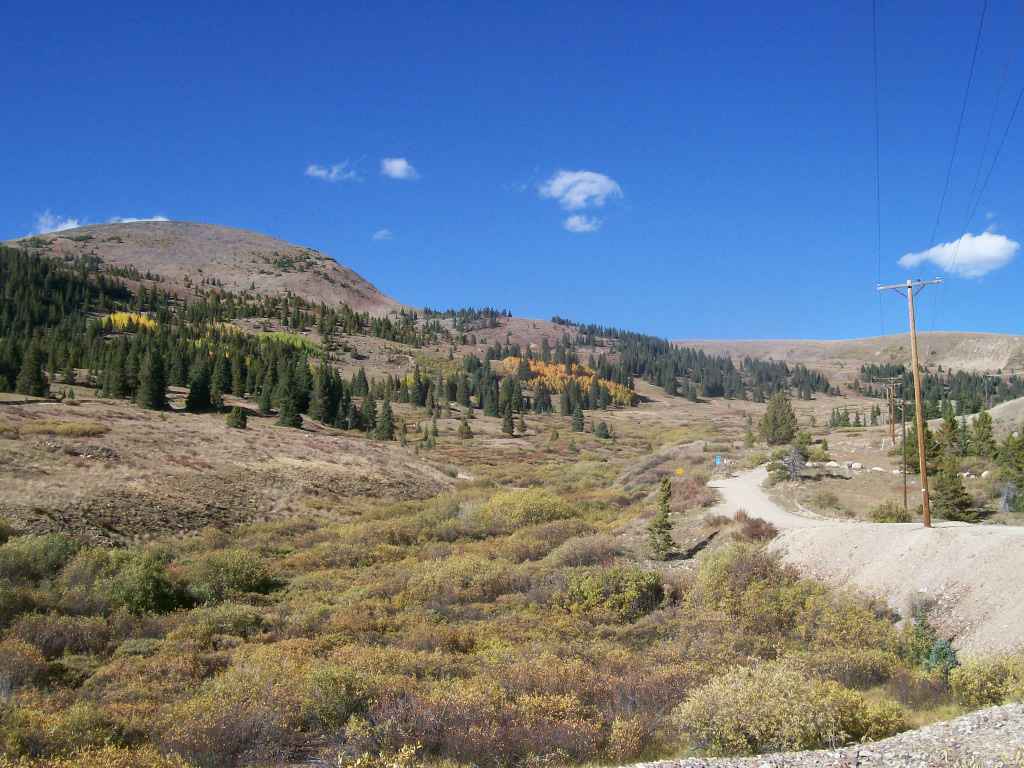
{"x":990,"y":738}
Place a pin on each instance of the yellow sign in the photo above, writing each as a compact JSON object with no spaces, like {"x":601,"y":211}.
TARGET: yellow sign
{"x":679,"y":471}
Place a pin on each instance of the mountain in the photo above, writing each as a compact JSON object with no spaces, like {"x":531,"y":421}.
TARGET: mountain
{"x":185,"y":253}
{"x":979,"y":352}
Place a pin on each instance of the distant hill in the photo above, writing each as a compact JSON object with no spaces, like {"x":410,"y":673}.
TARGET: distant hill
{"x":187,"y":253}
{"x":980,"y":352}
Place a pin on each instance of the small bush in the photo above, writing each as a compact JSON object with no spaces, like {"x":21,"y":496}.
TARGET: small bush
{"x":528,"y":506}
{"x":986,"y":683}
{"x":919,"y":689}
{"x":890,"y":512}
{"x":219,"y":575}
{"x":109,"y":757}
{"x":203,"y":625}
{"x":21,"y":664}
{"x":56,"y":635}
{"x":236,"y":418}
{"x":32,"y":558}
{"x":142,"y":585}
{"x":774,"y":707}
{"x":754,"y":528}
{"x":619,"y":595}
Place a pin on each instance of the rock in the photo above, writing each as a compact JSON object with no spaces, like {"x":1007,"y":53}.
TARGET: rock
{"x":832,"y":464}
{"x":856,"y":465}
{"x":878,"y":469}
{"x":987,"y":473}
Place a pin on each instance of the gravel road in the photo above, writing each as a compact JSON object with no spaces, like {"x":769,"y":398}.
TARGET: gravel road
{"x":743,"y":491}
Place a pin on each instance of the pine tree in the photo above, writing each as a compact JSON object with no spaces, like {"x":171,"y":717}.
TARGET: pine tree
{"x":982,"y":441}
{"x":949,"y":433}
{"x":949,"y":498}
{"x":199,"y":387}
{"x":577,"y":419}
{"x":507,"y":425}
{"x":931,"y":448}
{"x":266,"y":401}
{"x":778,"y":425}
{"x":601,"y":430}
{"x":152,"y":391}
{"x":369,"y":413}
{"x":384,"y":429}
{"x":659,"y":531}
{"x":287,"y":406}
{"x":31,"y":379}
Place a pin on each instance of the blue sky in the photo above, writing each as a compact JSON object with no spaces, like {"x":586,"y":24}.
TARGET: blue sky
{"x":721,"y":157}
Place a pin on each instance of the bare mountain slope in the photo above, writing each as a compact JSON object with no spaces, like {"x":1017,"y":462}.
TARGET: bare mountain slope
{"x":842,"y":358}
{"x":183,"y":252}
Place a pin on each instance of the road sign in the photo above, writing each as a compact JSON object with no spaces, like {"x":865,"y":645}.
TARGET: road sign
{"x":718,"y":459}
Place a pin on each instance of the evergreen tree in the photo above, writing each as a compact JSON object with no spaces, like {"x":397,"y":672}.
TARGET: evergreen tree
{"x":601,"y":430}
{"x":949,"y":498}
{"x":931,"y":448}
{"x":577,"y":419}
{"x":982,"y":442}
{"x":288,"y":414}
{"x":31,"y":379}
{"x":778,"y":425}
{"x":152,"y":391}
{"x":198,"y":399}
{"x":220,"y":380}
{"x":384,"y":429}
{"x":369,"y":413}
{"x":266,"y":401}
{"x":949,"y":433}
{"x":507,"y":425}
{"x":659,"y":531}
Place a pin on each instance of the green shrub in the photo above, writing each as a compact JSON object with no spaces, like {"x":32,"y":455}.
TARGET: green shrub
{"x":620,"y":595}
{"x":236,"y":418}
{"x":986,"y":683}
{"x":775,"y":707}
{"x":56,"y":635}
{"x":891,"y":512}
{"x":141,"y":585}
{"x":14,"y":601}
{"x":219,"y":575}
{"x":202,"y":625}
{"x":32,"y":558}
{"x":517,"y":508}
{"x":21,"y":664}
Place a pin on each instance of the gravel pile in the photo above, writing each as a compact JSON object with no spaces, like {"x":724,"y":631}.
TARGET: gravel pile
{"x":990,"y":738}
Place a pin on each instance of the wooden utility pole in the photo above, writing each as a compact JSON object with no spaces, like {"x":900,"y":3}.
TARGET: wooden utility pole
{"x":912,"y":287}
{"x":891,"y":382}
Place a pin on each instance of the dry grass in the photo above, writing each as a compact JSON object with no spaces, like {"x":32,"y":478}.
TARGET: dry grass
{"x":63,"y":428}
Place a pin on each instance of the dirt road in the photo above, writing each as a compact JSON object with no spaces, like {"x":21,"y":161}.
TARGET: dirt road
{"x":744,"y":491}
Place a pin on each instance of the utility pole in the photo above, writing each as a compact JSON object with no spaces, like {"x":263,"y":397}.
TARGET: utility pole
{"x":912,"y":287}
{"x":891,"y":382}
{"x":903,"y":429}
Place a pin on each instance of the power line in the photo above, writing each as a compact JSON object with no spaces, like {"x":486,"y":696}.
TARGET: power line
{"x":878,"y":164}
{"x":960,"y":124}
{"x":995,"y":158}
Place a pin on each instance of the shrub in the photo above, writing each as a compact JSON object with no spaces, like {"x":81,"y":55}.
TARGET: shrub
{"x":21,"y":664}
{"x":890,"y":512}
{"x":32,"y":558}
{"x":627,"y":738}
{"x":14,"y":601}
{"x":754,"y":528}
{"x":202,"y":625}
{"x":109,"y":757}
{"x":986,"y":683}
{"x":598,"y":549}
{"x":919,"y":689}
{"x":236,"y":418}
{"x":620,"y":595}
{"x":774,"y":707}
{"x":141,"y":585}
{"x":852,"y":667}
{"x":56,"y":635}
{"x":218,"y":575}
{"x":517,"y":508}
{"x":63,"y":428}
{"x":464,"y":579}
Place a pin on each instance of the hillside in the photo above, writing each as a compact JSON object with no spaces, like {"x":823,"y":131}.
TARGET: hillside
{"x":185,"y":253}
{"x":841,"y":358}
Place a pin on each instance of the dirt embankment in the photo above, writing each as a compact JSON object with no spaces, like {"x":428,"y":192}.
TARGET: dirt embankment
{"x":966,"y":574}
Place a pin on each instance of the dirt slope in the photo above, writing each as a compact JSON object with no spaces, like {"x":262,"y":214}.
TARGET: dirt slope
{"x":183,"y":252}
{"x":965,"y":571}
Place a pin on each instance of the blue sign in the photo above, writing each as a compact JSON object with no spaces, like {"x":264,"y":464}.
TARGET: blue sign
{"x":718,"y":459}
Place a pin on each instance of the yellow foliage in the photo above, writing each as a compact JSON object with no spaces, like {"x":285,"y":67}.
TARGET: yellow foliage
{"x":556,"y":376}
{"x":985,"y":683}
{"x":127,"y":321}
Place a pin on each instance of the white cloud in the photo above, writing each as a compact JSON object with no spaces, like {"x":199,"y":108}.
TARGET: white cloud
{"x":337,"y":172}
{"x":397,"y":168}
{"x":580,"y":189}
{"x":383,"y":234}
{"x":967,"y":256}
{"x":48,"y":221}
{"x":578,"y":223}
{"x":132,"y":219}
